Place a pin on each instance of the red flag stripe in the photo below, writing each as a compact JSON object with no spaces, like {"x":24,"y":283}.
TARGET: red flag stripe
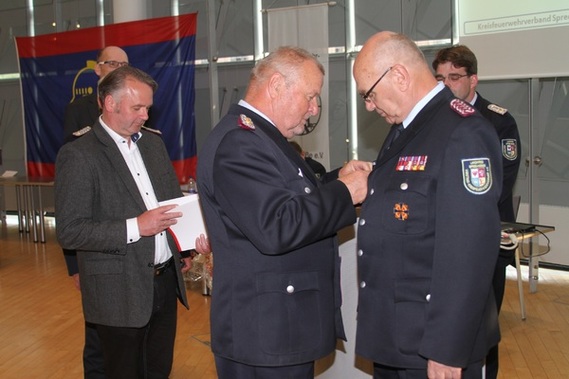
{"x":147,"y":31}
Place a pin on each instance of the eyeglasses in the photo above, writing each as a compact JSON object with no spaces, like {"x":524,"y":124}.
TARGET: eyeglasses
{"x":366,"y":95}
{"x":114,"y":64}
{"x":453,"y":77}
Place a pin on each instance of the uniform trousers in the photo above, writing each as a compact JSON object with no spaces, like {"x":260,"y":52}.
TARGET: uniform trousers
{"x":228,"y":369}
{"x":472,"y":371}
{"x":147,"y":352}
{"x":505,"y":259}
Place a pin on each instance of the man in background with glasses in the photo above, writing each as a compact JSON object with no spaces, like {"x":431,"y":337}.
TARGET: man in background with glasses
{"x":457,"y":68}
{"x":428,"y":233}
{"x":84,"y":111}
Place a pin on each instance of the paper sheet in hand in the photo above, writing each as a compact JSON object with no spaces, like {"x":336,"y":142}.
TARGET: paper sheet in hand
{"x":190,"y":225}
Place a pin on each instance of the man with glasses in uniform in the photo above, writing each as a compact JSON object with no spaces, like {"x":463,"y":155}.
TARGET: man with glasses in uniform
{"x":428,"y":232}
{"x":84,"y":111}
{"x":457,"y":68}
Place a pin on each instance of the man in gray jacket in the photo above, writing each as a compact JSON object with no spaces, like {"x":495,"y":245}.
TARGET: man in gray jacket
{"x":107,"y":188}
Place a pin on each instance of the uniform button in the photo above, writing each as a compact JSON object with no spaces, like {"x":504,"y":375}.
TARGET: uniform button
{"x":307,"y":190}
{"x":362,"y":221}
{"x":290,"y":288}
{"x":404,"y":186}
{"x":372,"y":191}
{"x":362,"y":284}
{"x":360,"y":252}
{"x":428,"y":297}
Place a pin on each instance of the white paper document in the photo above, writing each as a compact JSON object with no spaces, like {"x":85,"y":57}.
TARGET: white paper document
{"x":190,"y":225}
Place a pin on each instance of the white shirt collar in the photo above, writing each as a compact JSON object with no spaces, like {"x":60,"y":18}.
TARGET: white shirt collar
{"x":421,"y":104}
{"x":474,"y":98}
{"x":119,"y":140}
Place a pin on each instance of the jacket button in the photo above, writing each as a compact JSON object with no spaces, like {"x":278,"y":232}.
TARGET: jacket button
{"x":404,"y":186}
{"x":307,"y":190}
{"x":290,"y":288}
{"x":362,"y":221}
{"x":428,"y":297}
{"x":362,"y":284}
{"x":360,"y":252}
{"x":372,"y":191}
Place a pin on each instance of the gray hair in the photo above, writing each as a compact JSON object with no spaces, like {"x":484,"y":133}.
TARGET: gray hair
{"x":286,"y":60}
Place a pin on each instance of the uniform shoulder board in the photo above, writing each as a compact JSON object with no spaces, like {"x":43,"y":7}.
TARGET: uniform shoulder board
{"x":246,"y":123}
{"x":155,"y":131}
{"x":497,"y":109}
{"x":462,"y":108}
{"x":82,"y":131}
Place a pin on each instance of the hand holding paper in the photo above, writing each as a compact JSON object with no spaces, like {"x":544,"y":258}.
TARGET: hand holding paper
{"x":191,"y":225}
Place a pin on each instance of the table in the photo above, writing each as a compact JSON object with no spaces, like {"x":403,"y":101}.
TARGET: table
{"x":29,"y":203}
{"x":522,"y":232}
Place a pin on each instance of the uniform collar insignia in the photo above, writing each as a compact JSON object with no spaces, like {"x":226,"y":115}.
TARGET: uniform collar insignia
{"x":155,"y":131}
{"x":82,"y":131}
{"x":497,"y":109}
{"x":462,"y":108}
{"x":246,"y":123}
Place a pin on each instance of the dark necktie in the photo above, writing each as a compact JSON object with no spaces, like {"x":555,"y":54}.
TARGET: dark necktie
{"x":396,"y":130}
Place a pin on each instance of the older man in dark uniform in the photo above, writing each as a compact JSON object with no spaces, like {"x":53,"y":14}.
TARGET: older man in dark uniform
{"x":272,"y":225}
{"x":429,"y":230}
{"x":457,"y":67}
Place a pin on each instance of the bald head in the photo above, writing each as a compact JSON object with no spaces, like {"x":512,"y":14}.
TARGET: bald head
{"x":386,"y":49}
{"x":106,"y":60}
{"x":407,"y":77}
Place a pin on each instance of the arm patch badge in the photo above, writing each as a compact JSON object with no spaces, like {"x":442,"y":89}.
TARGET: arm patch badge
{"x":462,"y":108}
{"x":510,"y":149}
{"x":477,"y":175}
